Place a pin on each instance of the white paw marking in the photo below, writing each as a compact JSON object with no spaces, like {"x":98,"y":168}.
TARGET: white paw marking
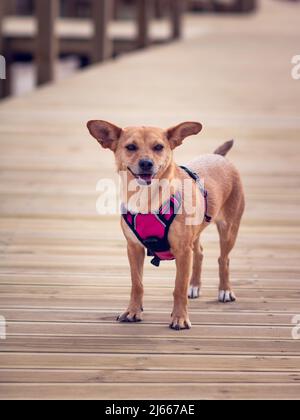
{"x":226,"y":296}
{"x":194,"y":292}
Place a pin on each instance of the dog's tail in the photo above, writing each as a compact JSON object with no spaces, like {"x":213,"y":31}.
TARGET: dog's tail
{"x":225,"y":148}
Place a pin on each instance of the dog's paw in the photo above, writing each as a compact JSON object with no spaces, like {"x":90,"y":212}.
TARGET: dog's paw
{"x":180,"y":323}
{"x":130,"y":317}
{"x":226,"y":296}
{"x":194,"y":292}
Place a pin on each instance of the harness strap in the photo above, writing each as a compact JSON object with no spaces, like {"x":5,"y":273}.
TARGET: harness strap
{"x":157,"y":246}
{"x":166,"y":215}
{"x":202,"y":189}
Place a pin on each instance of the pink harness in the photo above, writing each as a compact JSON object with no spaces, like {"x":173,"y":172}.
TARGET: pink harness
{"x":152,"y":229}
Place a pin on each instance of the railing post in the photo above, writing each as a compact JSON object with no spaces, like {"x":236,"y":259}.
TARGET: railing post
{"x":160,"y":8}
{"x":47,"y":42}
{"x":177,"y":7}
{"x":144,"y":8}
{"x":102,"y":11}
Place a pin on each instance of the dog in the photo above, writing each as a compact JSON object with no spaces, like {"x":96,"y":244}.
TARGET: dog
{"x":145,"y":155}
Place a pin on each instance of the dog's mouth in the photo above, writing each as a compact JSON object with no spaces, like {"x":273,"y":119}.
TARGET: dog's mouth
{"x":143,"y":179}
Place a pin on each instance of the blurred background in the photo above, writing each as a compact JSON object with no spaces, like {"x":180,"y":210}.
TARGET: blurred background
{"x":46,"y":40}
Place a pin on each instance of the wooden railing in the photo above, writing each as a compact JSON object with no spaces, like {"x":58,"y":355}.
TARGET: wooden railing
{"x":46,"y":43}
{"x":233,"y":6}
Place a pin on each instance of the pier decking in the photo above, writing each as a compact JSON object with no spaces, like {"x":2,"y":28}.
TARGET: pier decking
{"x":64,"y":275}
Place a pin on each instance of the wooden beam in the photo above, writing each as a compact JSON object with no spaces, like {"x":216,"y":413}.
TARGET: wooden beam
{"x":46,"y":42}
{"x":102,"y":11}
{"x":177,"y":7}
{"x":236,"y":6}
{"x":144,"y":8}
{"x":244,"y":6}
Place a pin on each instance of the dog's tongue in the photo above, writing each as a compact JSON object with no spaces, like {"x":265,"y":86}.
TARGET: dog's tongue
{"x":146,"y":179}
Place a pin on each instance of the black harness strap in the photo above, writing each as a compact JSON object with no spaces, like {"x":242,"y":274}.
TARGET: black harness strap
{"x":203,"y":191}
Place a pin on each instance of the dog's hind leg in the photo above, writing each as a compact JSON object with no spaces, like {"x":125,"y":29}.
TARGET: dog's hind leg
{"x":228,"y":227}
{"x":184,"y":262}
{"x":228,"y":234}
{"x":195,"y":283}
{"x":228,"y":223}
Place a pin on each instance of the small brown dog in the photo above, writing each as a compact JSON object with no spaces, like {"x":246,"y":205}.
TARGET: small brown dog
{"x":146,"y":155}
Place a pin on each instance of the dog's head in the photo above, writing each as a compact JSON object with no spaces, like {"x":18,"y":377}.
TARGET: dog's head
{"x":145,"y":152}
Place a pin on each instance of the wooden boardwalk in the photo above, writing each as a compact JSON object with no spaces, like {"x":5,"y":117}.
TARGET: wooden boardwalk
{"x":63,"y":269}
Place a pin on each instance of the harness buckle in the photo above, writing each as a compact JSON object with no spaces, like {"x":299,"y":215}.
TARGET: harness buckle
{"x":151,"y":243}
{"x":156,"y":262}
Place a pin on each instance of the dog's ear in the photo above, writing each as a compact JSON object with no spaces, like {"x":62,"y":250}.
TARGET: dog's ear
{"x":105,"y":133}
{"x":177,"y":134}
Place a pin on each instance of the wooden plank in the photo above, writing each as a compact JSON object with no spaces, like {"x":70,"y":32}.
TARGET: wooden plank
{"x":71,"y":246}
{"x":46,"y":42}
{"x":97,"y":316}
{"x":155,"y":294}
{"x":46,"y":376}
{"x":150,"y":345}
{"x":30,"y":265}
{"x":121,"y":279}
{"x":142,"y":391}
{"x":27,"y":329}
{"x":150,"y":362}
{"x":119,"y":304}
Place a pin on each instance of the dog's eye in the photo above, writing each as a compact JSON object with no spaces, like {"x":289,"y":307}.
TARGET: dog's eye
{"x":158,"y":148}
{"x":131,"y":148}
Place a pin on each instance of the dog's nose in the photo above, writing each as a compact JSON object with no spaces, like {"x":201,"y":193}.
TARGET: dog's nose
{"x":146,"y":165}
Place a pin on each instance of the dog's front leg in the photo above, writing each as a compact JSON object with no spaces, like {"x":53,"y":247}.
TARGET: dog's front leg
{"x":136,"y":256}
{"x":184,"y":261}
